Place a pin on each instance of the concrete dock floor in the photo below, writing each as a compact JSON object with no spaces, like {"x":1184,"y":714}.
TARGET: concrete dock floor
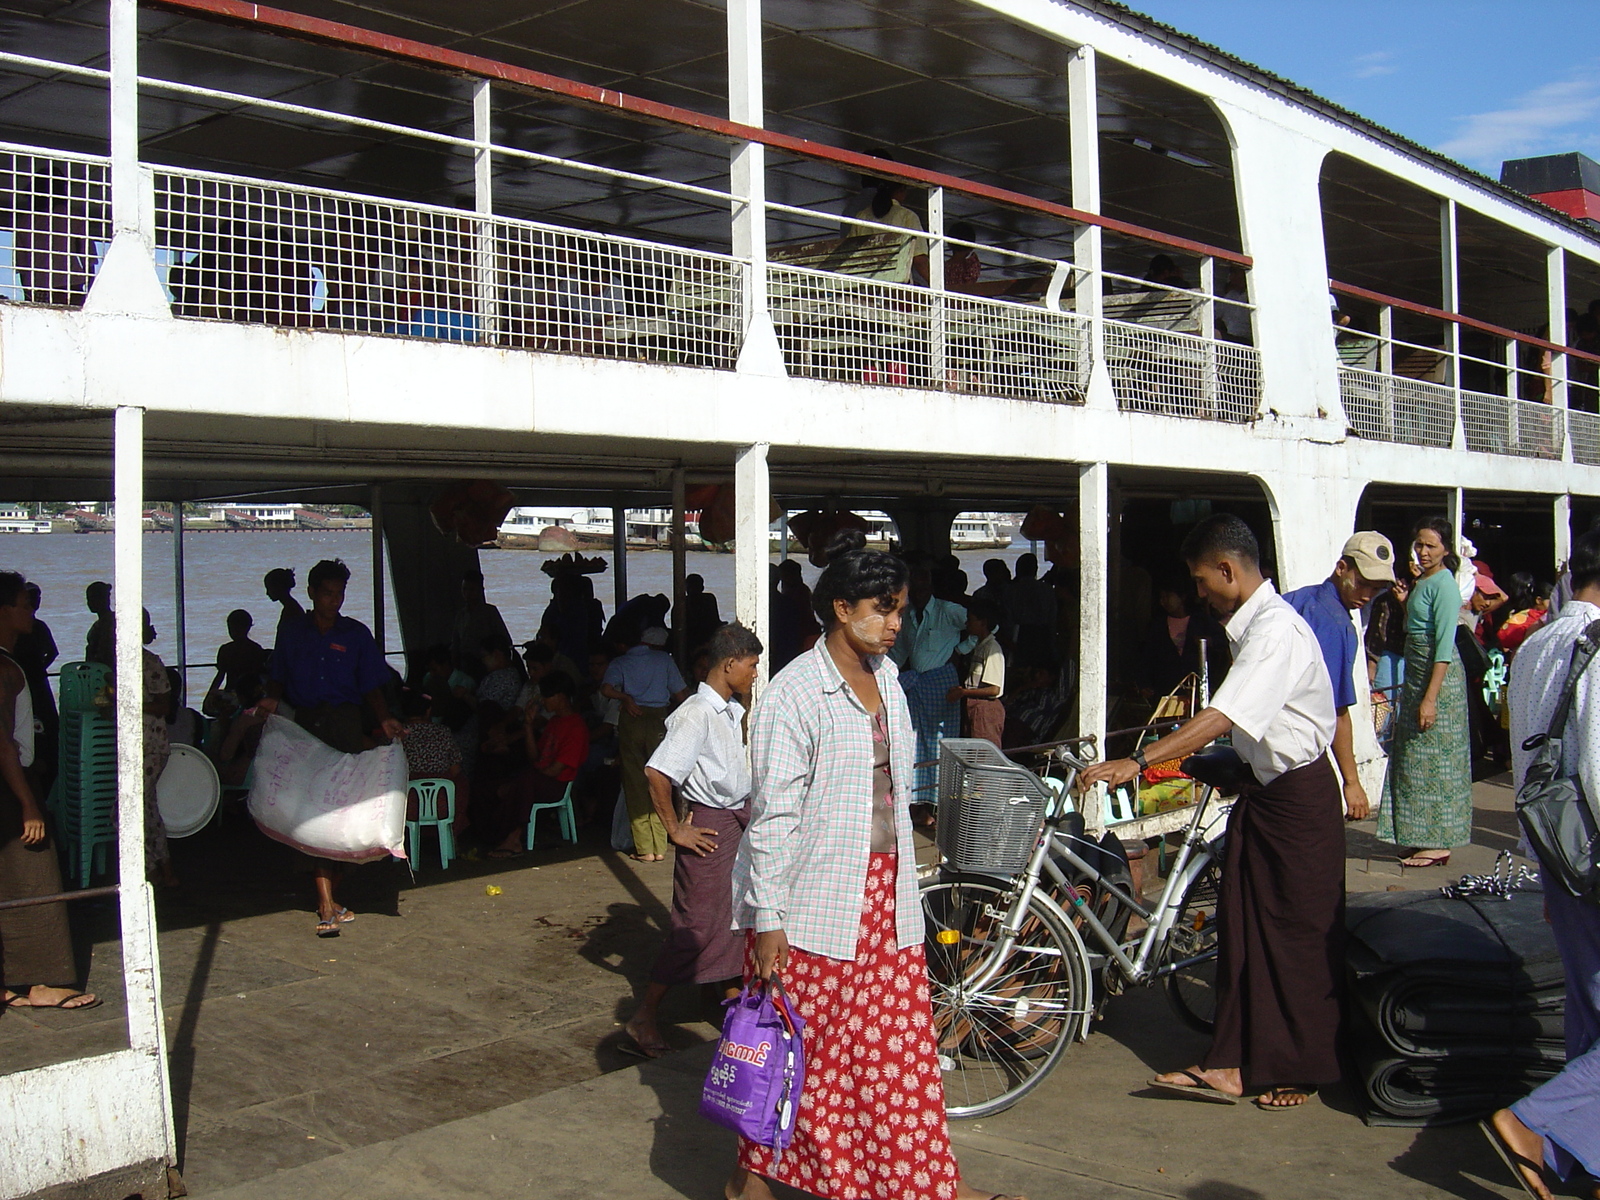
{"x":457,"y":1044}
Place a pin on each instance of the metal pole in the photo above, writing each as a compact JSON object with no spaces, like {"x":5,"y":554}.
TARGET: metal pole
{"x":483,"y":194}
{"x":141,"y":967}
{"x":1094,"y":537}
{"x":619,"y":557}
{"x":1083,"y":133}
{"x":378,"y":593}
{"x":1451,"y":302}
{"x":783,"y":538}
{"x":127,"y":184}
{"x":180,"y":628}
{"x":752,"y":507}
{"x":680,"y":568}
{"x":747,"y":177}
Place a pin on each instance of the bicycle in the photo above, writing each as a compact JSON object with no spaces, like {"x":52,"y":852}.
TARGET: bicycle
{"x":1012,"y":982}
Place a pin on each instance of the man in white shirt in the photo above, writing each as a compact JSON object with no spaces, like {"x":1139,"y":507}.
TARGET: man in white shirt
{"x":1557,"y":1126}
{"x":1280,"y":912}
{"x":703,"y":756}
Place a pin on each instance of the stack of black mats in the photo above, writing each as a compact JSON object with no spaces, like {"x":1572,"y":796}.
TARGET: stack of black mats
{"x":1455,"y":1005}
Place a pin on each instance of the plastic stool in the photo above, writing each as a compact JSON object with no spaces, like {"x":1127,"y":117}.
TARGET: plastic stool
{"x":569,"y":818}
{"x":427,"y":793}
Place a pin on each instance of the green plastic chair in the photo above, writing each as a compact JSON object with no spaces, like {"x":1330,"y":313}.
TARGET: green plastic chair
{"x":427,"y":793}
{"x":563,"y":808}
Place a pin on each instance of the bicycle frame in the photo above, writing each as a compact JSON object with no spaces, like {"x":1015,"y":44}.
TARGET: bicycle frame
{"x":1198,"y":848}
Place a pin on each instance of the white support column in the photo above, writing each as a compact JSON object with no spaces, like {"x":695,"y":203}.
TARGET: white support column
{"x":760,"y":354}
{"x":1563,"y":531}
{"x":680,"y":569}
{"x":126,"y":282}
{"x":378,"y":594}
{"x":1450,"y":301}
{"x":1083,"y":136}
{"x":1556,"y":286}
{"x":1094,"y":527}
{"x":180,"y":632}
{"x":483,"y":195}
{"x":1457,"y":498}
{"x":619,"y":558}
{"x":141,"y":968}
{"x":752,"y":493}
{"x":1386,"y":365}
{"x":936,"y":315}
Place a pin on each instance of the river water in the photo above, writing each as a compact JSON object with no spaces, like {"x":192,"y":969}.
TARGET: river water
{"x":223,"y":571}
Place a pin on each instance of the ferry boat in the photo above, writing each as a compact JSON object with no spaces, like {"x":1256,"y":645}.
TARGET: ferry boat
{"x":593,"y":528}
{"x":631,"y":312}
{"x":18,"y":520}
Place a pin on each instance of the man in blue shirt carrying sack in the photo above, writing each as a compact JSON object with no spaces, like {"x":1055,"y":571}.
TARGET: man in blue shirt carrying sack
{"x":327,"y":666}
{"x":1364,"y":571}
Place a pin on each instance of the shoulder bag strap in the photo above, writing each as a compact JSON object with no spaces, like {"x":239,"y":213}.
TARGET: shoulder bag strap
{"x":1582,"y":655}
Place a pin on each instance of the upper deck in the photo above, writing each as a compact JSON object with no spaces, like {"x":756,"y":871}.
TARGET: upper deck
{"x":602,"y":182}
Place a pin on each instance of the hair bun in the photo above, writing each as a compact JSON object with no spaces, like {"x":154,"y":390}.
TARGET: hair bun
{"x":845,"y":541}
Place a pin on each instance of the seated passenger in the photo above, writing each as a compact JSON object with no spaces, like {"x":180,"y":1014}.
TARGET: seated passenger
{"x":887,"y":209}
{"x":431,"y":751}
{"x":555,"y":754}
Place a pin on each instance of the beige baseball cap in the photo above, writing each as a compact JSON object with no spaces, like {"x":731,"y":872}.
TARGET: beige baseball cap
{"x":1372,"y":554}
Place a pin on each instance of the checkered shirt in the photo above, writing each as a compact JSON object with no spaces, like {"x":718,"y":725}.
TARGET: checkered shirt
{"x":802,"y":865}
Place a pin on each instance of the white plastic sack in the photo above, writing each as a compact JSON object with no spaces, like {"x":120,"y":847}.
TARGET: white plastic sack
{"x":327,"y":803}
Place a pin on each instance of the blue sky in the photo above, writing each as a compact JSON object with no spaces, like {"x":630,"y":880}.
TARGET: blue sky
{"x":1479,"y":80}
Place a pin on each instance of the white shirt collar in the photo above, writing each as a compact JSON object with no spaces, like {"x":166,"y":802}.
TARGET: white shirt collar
{"x":711,"y":697}
{"x":1246,"y":612}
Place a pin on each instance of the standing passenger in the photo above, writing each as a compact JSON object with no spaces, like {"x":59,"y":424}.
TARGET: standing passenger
{"x":646,"y":682}
{"x":703,"y":756}
{"x":826,"y":885}
{"x":1281,"y":908}
{"x":327,"y":665}
{"x":931,"y":634}
{"x":1428,"y":795}
{"x":985,"y":681}
{"x":1557,"y":1126}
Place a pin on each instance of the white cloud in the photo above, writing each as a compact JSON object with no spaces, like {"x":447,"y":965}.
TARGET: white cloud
{"x":1551,"y":119}
{"x":1370,"y":66}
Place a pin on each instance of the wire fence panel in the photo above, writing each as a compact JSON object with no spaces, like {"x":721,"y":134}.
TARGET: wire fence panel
{"x":55,"y":226}
{"x":1500,"y":425}
{"x":235,"y":250}
{"x":566,"y":292}
{"x":991,"y":348}
{"x":852,"y":329}
{"x":1179,"y":375}
{"x":1584,"y":428}
{"x":1392,"y":408}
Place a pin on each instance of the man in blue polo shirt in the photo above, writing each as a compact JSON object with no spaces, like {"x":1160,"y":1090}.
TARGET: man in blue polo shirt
{"x":327,"y":665}
{"x":1364,"y":570}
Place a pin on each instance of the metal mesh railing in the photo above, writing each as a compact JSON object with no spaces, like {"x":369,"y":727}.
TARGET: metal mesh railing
{"x":1175,"y":374}
{"x":992,"y":348}
{"x":852,"y":329}
{"x":55,"y":225}
{"x":1392,"y":408}
{"x":238,"y":250}
{"x":1500,"y":425}
{"x":1584,"y":429}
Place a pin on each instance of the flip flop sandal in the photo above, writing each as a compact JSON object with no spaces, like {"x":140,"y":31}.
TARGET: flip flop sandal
{"x":328,"y":928}
{"x":1201,"y":1090}
{"x":64,"y":1003}
{"x":634,"y":1048}
{"x":1308,"y":1093}
{"x":1514,"y":1162}
{"x":345,"y":915}
{"x":1424,"y":861}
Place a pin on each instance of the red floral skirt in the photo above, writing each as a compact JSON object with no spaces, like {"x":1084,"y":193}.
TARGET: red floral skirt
{"x":871,"y":1123}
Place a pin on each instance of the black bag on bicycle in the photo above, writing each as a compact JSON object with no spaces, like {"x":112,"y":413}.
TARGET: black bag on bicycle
{"x":1561,"y":823}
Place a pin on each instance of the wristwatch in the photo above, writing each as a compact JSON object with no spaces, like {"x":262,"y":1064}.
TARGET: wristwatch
{"x":1138,"y":757}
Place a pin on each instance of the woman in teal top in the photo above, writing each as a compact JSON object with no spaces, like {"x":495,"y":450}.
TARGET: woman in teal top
{"x":1428,"y":794}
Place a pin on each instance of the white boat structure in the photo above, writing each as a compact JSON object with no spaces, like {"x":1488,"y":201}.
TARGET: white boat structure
{"x":595,"y":528}
{"x":16,"y":519}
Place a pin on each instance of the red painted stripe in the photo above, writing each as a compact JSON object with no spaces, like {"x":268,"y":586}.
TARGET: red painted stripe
{"x":1361,"y":293}
{"x":439,"y":58}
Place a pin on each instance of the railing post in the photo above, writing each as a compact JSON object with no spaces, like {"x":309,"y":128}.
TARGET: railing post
{"x":1451,"y":302}
{"x":936,"y":304}
{"x":1208,"y":331}
{"x":752,"y":498}
{"x":759,"y":353}
{"x":483,"y":196}
{"x":1386,"y":368}
{"x":1094,"y":537}
{"x":1513,"y":394}
{"x":1088,"y":257}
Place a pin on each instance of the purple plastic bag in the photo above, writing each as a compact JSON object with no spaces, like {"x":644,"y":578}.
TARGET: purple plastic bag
{"x":753,"y":1087}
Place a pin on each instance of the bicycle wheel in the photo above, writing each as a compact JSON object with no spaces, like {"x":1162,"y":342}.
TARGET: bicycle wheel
{"x":1192,"y":990}
{"x":1001,"y":1025}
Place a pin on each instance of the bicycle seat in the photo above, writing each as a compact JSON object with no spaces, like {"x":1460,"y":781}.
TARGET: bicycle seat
{"x":1221,"y":769}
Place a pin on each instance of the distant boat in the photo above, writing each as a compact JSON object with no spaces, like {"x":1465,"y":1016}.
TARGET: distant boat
{"x":592,"y":528}
{"x":978,"y":533}
{"x":24,"y":525}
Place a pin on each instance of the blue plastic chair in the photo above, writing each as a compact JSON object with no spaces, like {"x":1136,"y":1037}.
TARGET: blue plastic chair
{"x":562,"y":807}
{"x":427,"y":793}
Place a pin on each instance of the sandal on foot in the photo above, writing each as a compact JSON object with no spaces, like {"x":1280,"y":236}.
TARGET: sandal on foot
{"x":1419,"y":861}
{"x":1199,"y":1090}
{"x":65,"y":1003}
{"x":634,"y":1048}
{"x":328,"y":928}
{"x":1514,"y":1162}
{"x":1264,"y":1103}
{"x":500,"y":853}
{"x":345,"y":915}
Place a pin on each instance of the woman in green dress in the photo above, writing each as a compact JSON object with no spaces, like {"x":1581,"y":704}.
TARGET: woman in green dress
{"x":1428,"y":794}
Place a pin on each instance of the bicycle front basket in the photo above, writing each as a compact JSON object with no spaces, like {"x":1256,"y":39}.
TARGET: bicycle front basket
{"x":990,"y":809}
